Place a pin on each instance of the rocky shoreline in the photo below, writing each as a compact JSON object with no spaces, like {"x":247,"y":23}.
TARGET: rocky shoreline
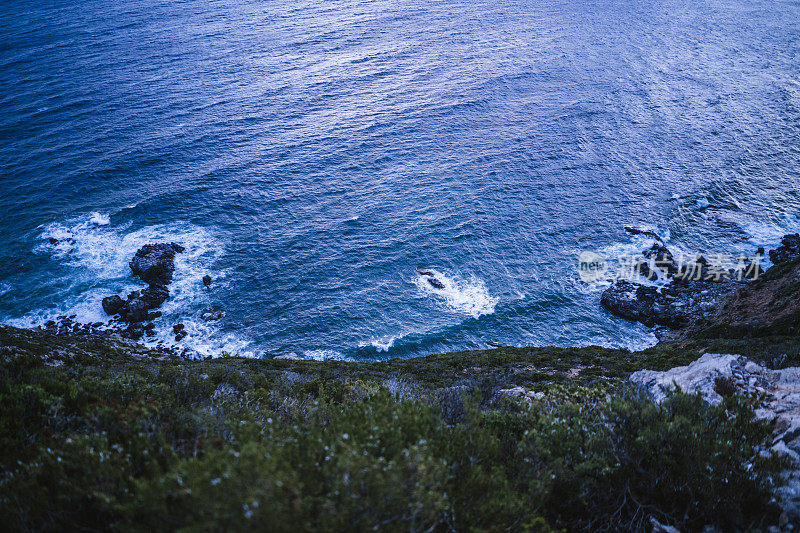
{"x":764,"y":304}
{"x":691,"y":294}
{"x":131,"y":317}
{"x":724,"y":339}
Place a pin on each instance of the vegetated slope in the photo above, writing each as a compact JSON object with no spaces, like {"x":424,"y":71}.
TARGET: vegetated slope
{"x":96,"y":433}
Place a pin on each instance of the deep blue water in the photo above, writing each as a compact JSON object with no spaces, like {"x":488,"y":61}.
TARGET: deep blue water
{"x":312,"y":155}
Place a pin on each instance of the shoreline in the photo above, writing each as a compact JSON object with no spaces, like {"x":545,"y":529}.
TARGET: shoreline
{"x":156,"y":432}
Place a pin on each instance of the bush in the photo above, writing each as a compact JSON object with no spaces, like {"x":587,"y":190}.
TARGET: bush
{"x":116,"y":443}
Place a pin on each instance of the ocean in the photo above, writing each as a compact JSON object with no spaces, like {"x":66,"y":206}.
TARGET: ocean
{"x":311,"y":156}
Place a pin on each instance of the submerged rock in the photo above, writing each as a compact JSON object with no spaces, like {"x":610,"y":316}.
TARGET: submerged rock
{"x":432,"y":279}
{"x":212,"y":314}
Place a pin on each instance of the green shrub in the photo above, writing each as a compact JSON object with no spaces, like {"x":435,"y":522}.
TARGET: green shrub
{"x":120,"y":442}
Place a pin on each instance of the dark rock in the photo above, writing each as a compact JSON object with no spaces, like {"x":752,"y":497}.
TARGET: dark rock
{"x":113,"y":304}
{"x":154,"y":296}
{"x":178,"y":328}
{"x":180,"y":335}
{"x":136,"y":311}
{"x":662,"y":258}
{"x":787,"y":251}
{"x":53,"y":240}
{"x":435,"y":283}
{"x":646,"y":233}
{"x":133,"y":331}
{"x":675,"y":305}
{"x":155,"y":263}
{"x":207,"y":280}
{"x":645,"y":304}
{"x":432,"y":279}
{"x":149,"y":326}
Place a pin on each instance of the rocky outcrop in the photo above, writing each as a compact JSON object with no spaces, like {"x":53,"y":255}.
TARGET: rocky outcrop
{"x":688,"y":292}
{"x":673,"y":306}
{"x":789,"y":249}
{"x":717,"y":375}
{"x":155,"y":263}
{"x":113,"y":304}
{"x":768,"y":306}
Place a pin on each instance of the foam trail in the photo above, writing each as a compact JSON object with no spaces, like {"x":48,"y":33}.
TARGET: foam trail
{"x":382,"y":344}
{"x":100,"y":219}
{"x":469,"y":297}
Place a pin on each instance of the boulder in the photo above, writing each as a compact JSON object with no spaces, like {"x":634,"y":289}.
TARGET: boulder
{"x":154,"y":296}
{"x":155,"y":263}
{"x":134,"y":331}
{"x":135,"y":310}
{"x":700,"y":376}
{"x":113,"y":304}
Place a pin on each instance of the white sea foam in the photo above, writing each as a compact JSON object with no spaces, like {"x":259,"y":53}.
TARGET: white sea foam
{"x":468,"y":296}
{"x":99,"y":252}
{"x":325,"y":355}
{"x":769,"y":234}
{"x":99,"y":219}
{"x":382,"y":344}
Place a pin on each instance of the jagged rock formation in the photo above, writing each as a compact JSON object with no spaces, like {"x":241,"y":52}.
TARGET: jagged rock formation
{"x":154,"y":264}
{"x":787,"y":251}
{"x":674,"y":306}
{"x":690,"y":291}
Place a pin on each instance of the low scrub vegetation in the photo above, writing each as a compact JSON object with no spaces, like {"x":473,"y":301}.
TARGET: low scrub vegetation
{"x":94,"y":436}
